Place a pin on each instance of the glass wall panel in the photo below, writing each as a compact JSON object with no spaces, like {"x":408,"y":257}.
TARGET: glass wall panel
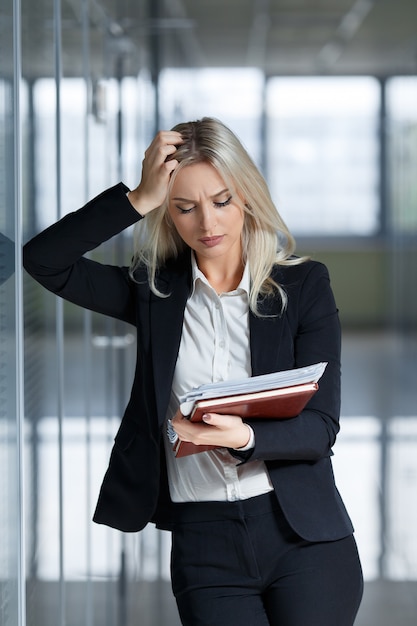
{"x":86,"y":124}
{"x":11,"y":419}
{"x":402,"y":132}
{"x":402,"y":194}
{"x":322,"y":153}
{"x":40,"y":347}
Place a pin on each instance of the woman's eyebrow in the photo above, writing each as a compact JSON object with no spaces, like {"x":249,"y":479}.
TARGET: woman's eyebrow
{"x":220,"y":193}
{"x":215,"y":195}
{"x":178,"y":199}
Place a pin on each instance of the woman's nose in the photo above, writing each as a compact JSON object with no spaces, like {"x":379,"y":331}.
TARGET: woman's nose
{"x":207,"y":218}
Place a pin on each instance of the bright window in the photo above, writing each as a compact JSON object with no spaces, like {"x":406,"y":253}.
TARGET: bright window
{"x":402,"y":154}
{"x":322,"y":153}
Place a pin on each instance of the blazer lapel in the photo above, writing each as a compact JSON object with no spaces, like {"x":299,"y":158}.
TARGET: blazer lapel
{"x":266,"y":337}
{"x":166,"y":320}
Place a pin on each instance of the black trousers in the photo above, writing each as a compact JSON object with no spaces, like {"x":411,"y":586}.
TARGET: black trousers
{"x":240,"y":563}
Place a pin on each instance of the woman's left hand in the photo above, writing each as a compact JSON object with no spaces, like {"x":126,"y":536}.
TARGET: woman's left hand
{"x":228,"y":431}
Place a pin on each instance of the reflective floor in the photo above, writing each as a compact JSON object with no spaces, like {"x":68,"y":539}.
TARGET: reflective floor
{"x":376,"y":469}
{"x":151,"y":604}
{"x":375,"y":464}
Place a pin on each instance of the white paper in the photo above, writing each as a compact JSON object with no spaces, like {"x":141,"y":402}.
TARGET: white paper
{"x":276,"y":380}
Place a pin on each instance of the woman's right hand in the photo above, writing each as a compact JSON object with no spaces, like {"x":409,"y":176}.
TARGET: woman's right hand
{"x":156,"y":172}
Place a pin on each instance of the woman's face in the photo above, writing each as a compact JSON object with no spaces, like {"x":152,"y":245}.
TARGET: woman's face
{"x":206,"y":215}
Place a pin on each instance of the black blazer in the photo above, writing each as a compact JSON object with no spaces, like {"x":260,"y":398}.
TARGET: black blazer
{"x":296,"y":451}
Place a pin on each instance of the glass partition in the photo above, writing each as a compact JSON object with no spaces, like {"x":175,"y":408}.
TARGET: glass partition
{"x":402,"y":133}
{"x":11,"y":418}
{"x":402,"y":192}
{"x":85,"y":122}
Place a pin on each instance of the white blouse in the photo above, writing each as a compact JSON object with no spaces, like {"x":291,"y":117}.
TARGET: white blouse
{"x":214,"y":347}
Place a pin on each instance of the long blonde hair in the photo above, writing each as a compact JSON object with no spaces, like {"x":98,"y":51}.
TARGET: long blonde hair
{"x":266,"y":240}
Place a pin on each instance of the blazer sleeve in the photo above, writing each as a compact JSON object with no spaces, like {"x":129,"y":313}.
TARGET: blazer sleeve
{"x":313,"y":325}
{"x":55,"y":257}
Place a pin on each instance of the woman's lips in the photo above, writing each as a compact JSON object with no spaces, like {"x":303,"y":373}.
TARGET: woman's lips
{"x":210,"y":242}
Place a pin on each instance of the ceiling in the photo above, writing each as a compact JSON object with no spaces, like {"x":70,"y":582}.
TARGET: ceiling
{"x":287,"y":37}
{"x":307,"y":36}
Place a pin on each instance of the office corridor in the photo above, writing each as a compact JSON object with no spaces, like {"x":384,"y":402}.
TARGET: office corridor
{"x":324,"y":97}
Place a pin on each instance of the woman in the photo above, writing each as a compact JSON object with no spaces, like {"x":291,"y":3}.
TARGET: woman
{"x":260,"y":533}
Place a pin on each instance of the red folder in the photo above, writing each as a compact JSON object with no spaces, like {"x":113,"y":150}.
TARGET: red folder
{"x":279,"y":403}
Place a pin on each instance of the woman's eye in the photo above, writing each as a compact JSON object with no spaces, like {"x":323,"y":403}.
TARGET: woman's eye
{"x":225,"y":203}
{"x":184,"y":211}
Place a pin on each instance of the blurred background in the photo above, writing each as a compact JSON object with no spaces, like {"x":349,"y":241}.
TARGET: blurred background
{"x":324,"y":96}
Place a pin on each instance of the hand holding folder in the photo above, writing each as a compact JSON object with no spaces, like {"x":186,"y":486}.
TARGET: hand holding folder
{"x":276,"y":396}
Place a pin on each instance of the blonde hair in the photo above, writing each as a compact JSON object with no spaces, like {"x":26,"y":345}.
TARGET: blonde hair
{"x":266,"y":240}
